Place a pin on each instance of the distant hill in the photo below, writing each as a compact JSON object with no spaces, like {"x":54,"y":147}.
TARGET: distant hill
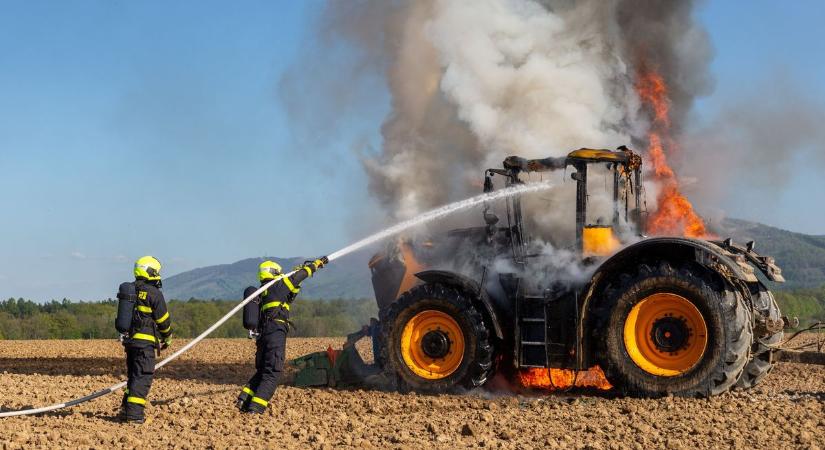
{"x":345,"y":278}
{"x":801,"y":256}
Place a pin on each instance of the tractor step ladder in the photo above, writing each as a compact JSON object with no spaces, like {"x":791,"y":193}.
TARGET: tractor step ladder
{"x":532,"y":317}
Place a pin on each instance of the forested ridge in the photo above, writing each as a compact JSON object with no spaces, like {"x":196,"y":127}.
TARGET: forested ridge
{"x":25,"y":319}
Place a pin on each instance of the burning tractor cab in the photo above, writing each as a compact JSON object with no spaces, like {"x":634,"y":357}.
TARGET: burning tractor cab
{"x":658,"y":315}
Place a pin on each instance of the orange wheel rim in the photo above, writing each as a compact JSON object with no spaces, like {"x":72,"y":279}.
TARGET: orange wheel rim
{"x":432,"y":344}
{"x":665,"y":334}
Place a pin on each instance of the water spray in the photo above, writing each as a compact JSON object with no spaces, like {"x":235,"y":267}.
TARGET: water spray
{"x":441,"y":212}
{"x":377,"y":237}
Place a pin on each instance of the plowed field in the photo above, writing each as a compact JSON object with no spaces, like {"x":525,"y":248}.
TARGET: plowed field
{"x":191,"y":407}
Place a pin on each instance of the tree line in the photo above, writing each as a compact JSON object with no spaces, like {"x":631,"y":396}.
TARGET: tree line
{"x":807,"y":304}
{"x":25,"y":319}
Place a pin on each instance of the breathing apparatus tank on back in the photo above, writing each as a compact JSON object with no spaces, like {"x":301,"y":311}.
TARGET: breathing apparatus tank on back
{"x":146,"y":268}
{"x":267,"y":270}
{"x":251,"y":312}
{"x":127,"y":300}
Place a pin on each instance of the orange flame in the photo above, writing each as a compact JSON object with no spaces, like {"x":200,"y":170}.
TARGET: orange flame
{"x":674,"y":214}
{"x":653,"y":92}
{"x":553,"y":379}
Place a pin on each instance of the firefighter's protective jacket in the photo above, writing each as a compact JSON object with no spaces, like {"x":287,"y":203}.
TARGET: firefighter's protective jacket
{"x":271,"y":345}
{"x":151,"y":321}
{"x":275,"y":301}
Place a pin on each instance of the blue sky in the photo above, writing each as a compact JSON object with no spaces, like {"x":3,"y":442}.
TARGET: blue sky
{"x":131,"y":128}
{"x":754,"y":45}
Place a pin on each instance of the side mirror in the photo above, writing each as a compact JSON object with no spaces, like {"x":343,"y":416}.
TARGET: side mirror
{"x":488,"y":184}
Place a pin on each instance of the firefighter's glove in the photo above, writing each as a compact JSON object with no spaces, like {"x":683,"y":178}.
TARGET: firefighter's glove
{"x":165,"y":342}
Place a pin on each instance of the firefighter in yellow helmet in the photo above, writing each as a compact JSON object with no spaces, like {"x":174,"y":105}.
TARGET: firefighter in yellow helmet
{"x":273,"y":327}
{"x":151,"y":331}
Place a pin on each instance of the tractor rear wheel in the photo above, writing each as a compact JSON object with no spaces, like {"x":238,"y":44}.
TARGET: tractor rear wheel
{"x":435,"y":340}
{"x":679,"y":331}
{"x":761,"y":362}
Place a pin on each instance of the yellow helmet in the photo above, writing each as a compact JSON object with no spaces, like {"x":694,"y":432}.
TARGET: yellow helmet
{"x":147,"y":268}
{"x":268,"y":270}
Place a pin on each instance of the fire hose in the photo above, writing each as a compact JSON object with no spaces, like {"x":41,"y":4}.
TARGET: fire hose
{"x":167,"y":360}
{"x":398,"y":228}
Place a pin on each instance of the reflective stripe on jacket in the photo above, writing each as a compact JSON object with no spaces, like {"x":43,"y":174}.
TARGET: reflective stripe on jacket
{"x":275,"y":300}
{"x":151,"y":316}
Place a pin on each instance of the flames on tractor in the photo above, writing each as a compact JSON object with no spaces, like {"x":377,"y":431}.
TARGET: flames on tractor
{"x":674,"y":215}
{"x":557,"y":379}
{"x":484,"y":302}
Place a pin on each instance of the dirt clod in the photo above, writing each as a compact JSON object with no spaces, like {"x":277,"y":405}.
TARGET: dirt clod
{"x":468,"y":430}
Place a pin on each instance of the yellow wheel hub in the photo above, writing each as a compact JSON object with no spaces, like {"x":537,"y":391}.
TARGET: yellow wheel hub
{"x":665,"y":334}
{"x":432,"y":344}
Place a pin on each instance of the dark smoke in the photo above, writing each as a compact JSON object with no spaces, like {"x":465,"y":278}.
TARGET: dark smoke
{"x":756,"y":144}
{"x":664,"y":36}
{"x":473,"y":82}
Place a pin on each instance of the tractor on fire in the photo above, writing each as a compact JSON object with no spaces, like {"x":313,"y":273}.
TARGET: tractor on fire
{"x":658,"y":315}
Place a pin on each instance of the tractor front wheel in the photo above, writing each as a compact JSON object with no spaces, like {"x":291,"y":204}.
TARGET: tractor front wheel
{"x":435,"y":340}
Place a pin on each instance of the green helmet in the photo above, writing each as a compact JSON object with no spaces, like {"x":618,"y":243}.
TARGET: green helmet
{"x":268,"y":270}
{"x":147,"y":268}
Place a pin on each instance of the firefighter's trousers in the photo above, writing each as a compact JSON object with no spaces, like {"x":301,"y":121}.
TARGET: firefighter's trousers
{"x":140,"y":367}
{"x":269,"y":363}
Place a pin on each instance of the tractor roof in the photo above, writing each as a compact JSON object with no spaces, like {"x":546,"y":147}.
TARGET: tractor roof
{"x":598,"y":155}
{"x":581,"y":156}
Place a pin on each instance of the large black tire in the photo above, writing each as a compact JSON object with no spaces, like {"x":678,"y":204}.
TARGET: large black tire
{"x":761,"y":363}
{"x":475,"y":366}
{"x":726,"y":318}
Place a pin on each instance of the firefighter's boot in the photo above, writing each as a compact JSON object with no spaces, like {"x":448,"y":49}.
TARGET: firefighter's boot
{"x":243,"y":398}
{"x":135,"y":407}
{"x":254,"y":408}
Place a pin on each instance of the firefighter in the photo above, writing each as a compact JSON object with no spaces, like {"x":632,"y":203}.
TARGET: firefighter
{"x":273,"y":328}
{"x":151,"y":331}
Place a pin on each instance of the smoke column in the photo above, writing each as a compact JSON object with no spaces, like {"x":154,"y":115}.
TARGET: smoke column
{"x":473,"y":81}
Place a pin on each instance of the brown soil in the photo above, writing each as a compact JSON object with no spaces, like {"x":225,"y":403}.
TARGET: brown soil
{"x":192,"y":408}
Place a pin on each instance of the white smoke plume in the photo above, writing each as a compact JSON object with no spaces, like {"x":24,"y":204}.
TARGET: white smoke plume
{"x":549,"y":265}
{"x":473,"y":81}
{"x":522,"y":80}
{"x":512,"y":77}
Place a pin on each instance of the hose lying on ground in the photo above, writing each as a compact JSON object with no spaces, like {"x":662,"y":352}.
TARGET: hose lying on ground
{"x":168,"y":359}
{"x":398,"y":228}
